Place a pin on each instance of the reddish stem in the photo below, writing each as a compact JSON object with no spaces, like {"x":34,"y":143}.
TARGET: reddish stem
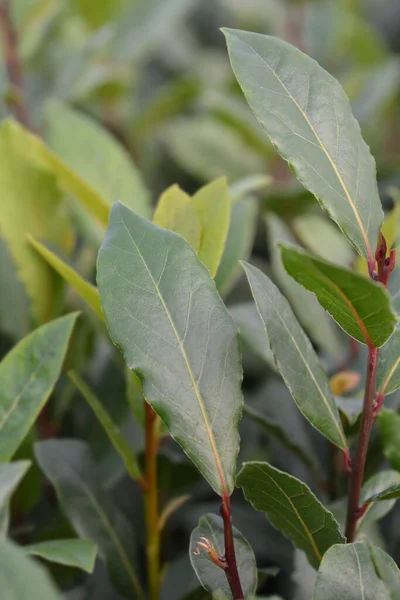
{"x":16,"y":98}
{"x":231,"y":569}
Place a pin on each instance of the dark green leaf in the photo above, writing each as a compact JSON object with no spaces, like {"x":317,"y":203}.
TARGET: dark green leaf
{"x":356,"y":572}
{"x":211,"y":577}
{"x":27,"y":377}
{"x":308,"y":118}
{"x":163,"y":311}
{"x":360,"y":306}
{"x":20,"y":577}
{"x":69,"y":466}
{"x":389,"y":425}
{"x":296,"y":358}
{"x":73,"y":553}
{"x":291,"y":507}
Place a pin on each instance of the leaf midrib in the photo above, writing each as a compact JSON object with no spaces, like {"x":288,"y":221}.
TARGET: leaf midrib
{"x":322,"y":146}
{"x":186,"y":360}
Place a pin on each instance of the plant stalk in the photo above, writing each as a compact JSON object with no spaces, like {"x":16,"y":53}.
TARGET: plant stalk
{"x":151,"y":504}
{"x":16,"y":97}
{"x":231,"y":570}
{"x":357,"y":474}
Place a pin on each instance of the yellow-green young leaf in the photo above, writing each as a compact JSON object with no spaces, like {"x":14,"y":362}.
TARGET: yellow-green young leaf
{"x":291,"y":507}
{"x":86,"y":290}
{"x":175,"y":211}
{"x":30,"y":203}
{"x":391,"y":233}
{"x":69,"y":466}
{"x":357,"y":571}
{"x":360,"y":306}
{"x":389,"y":426}
{"x":163,"y":311}
{"x":212,"y":204}
{"x":20,"y":576}
{"x":296,"y":358}
{"x":27,"y":377}
{"x":73,"y":553}
{"x":91,"y":164}
{"x":211,"y":577}
{"x":308,"y":118}
{"x":98,"y":13}
{"x":112,"y":430}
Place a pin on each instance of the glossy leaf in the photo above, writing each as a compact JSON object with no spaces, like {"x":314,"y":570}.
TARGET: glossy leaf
{"x":360,"y":306}
{"x":10,"y":476}
{"x":251,"y":330}
{"x":295,"y":358}
{"x":19,"y":575}
{"x":27,"y":378}
{"x":389,"y":426}
{"x":69,"y":466}
{"x":357,"y":571}
{"x":291,"y":507}
{"x":91,"y":164}
{"x":112,"y":430}
{"x":175,"y":211}
{"x":308,"y":118}
{"x":212,"y":204}
{"x":86,"y":290}
{"x":30,"y":204}
{"x":211,"y":577}
{"x":163,"y":311}
{"x":374,"y":489}
{"x":73,"y":553}
{"x":239,"y":242}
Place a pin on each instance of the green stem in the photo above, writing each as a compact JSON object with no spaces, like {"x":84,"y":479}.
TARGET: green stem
{"x":151,"y":504}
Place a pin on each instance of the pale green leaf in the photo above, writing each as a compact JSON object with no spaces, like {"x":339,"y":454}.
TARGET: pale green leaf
{"x":246,"y":186}
{"x":351,"y":408}
{"x":30,"y":203}
{"x":360,"y":306}
{"x":251,"y":330}
{"x":98,"y":166}
{"x":175,"y":211}
{"x":291,"y":507}
{"x":13,"y":295}
{"x":73,"y":553}
{"x":239,"y":242}
{"x":389,"y":426}
{"x":308,"y":118}
{"x":212,"y":204}
{"x":10,"y":476}
{"x":112,"y":430}
{"x":27,"y":377}
{"x":211,"y":577}
{"x":174,"y":505}
{"x":295,"y":358}
{"x":69,"y":466}
{"x":356,"y":572}
{"x":163,"y":311}
{"x":388,"y":375}
{"x":86,"y":290}
{"x":20,"y":576}
{"x":374,"y":489}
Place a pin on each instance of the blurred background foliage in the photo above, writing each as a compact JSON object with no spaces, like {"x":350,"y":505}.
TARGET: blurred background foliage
{"x":134,"y":96}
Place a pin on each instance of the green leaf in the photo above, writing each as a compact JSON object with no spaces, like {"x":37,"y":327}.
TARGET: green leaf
{"x":134,"y":395}
{"x":112,"y":430}
{"x":392,"y":492}
{"x":212,"y":204}
{"x":374,"y":489}
{"x":73,"y":553}
{"x":388,"y":375}
{"x":86,"y":290}
{"x":69,"y":466}
{"x":163,"y":311}
{"x":275,"y":429}
{"x":242,"y":188}
{"x":357,"y":571}
{"x":308,"y":118}
{"x":360,"y":306}
{"x":239,"y":242}
{"x":21,"y":576}
{"x":251,"y":330}
{"x":10,"y":476}
{"x":211,"y":577}
{"x":175,"y":211}
{"x":91,"y":164}
{"x":389,"y":426}
{"x":170,"y":508}
{"x":291,"y":507}
{"x":351,"y":408}
{"x":28,"y":375}
{"x":29,"y":204}
{"x":295,"y":358}
{"x":13,"y":294}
